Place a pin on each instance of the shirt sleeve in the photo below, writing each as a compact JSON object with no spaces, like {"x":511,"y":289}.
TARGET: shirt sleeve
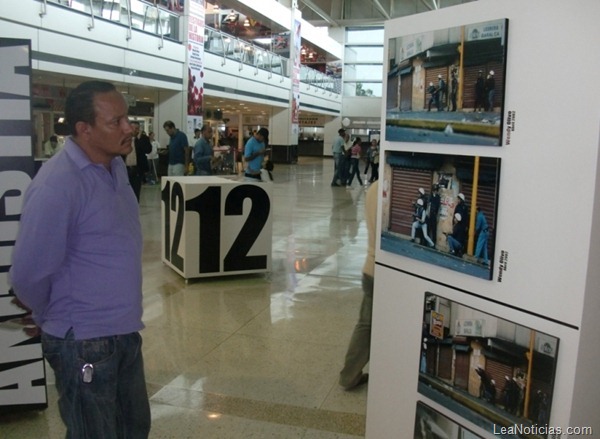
{"x":40,"y":247}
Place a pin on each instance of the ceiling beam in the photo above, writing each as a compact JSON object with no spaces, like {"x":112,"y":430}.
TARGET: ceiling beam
{"x":381,"y":9}
{"x":320,"y":12}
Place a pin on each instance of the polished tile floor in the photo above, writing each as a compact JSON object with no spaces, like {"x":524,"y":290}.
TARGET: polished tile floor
{"x":253,"y":356}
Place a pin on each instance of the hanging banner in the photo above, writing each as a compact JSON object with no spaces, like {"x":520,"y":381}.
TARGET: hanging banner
{"x":22,"y":376}
{"x":195,"y":44}
{"x":295,"y":104}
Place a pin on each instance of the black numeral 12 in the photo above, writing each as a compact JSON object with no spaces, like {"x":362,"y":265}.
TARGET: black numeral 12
{"x":208,"y":206}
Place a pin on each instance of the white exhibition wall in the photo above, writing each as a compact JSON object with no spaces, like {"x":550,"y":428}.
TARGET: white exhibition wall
{"x":548,"y":209}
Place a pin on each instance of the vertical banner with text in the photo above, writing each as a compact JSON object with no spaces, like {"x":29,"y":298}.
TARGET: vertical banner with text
{"x":296,"y":47}
{"x":22,"y":376}
{"x":195,"y":44}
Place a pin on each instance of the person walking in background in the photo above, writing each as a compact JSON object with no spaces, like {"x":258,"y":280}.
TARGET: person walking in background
{"x":179,"y":156}
{"x":354,"y":162}
{"x":203,"y":152}
{"x":153,"y":159}
{"x":369,"y":158}
{"x":374,"y":164}
{"x":52,"y":146}
{"x":254,"y":154}
{"x":338,"y":149}
{"x":86,"y":298}
{"x":136,"y":161}
{"x":359,"y":348}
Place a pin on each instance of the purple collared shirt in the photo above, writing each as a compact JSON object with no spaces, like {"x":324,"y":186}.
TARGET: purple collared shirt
{"x":77,"y":257}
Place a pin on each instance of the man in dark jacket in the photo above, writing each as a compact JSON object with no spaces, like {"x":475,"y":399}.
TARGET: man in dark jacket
{"x":136,"y":161}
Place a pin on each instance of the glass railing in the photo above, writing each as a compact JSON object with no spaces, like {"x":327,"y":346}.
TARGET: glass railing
{"x":143,"y":15}
{"x":320,"y":80}
{"x":245,"y":53}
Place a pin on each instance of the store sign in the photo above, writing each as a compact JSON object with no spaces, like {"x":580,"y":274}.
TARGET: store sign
{"x":312,"y":121}
{"x":22,"y":377}
{"x":486,"y":31}
{"x":255,"y":120}
{"x":436,"y":327}
{"x":546,"y":344}
{"x":470,"y":328}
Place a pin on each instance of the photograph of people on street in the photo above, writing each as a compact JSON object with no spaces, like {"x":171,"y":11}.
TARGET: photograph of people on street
{"x":441,"y":209}
{"x":430,"y":423}
{"x":447,"y":85}
{"x":493,"y":372}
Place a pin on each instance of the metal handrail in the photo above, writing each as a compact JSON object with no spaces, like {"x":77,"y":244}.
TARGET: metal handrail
{"x":92,"y":24}
{"x":44,"y":8}
{"x":162,"y":38}
{"x":128,"y":37}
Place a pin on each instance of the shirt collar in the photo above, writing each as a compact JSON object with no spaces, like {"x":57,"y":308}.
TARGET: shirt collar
{"x":78,"y":156}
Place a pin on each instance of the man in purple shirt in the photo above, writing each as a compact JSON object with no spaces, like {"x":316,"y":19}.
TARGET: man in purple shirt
{"x":77,"y":266}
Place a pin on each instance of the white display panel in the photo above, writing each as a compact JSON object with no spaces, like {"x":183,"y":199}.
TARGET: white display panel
{"x":396,"y":355}
{"x":546,"y":247}
{"x":214,"y":226}
{"x":549,"y":152}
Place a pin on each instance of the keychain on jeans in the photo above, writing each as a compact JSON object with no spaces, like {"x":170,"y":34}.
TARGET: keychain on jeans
{"x":87,"y":372}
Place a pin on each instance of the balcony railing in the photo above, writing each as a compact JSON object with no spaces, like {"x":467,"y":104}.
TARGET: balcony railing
{"x":141,"y":15}
{"x":244,"y":53}
{"x":145,"y":16}
{"x":247,"y":54}
{"x":320,"y":80}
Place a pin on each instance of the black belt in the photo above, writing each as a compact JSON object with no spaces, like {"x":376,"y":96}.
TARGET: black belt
{"x":256,"y":176}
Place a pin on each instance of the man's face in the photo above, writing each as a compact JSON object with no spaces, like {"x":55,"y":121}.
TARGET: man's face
{"x":170,"y":130}
{"x":207,"y":133}
{"x":111,"y":133}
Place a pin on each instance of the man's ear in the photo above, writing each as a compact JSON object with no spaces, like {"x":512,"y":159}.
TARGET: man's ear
{"x":82,"y":128}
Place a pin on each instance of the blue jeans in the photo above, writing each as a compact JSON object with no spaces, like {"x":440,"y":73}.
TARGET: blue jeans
{"x":455,"y":245}
{"x":114,"y":405}
{"x":337,"y":174}
{"x":481,"y":250}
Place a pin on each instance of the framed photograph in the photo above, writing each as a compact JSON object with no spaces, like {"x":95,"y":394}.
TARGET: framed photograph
{"x":430,"y":423}
{"x":441,"y":209}
{"x":447,"y":85}
{"x":495,"y":373}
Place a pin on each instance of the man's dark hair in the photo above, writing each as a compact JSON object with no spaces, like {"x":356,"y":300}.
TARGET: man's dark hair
{"x":169,"y":124}
{"x":79,"y":106}
{"x":204,"y":127}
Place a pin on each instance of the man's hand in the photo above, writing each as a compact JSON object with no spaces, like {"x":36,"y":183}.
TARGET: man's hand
{"x":29,"y":326}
